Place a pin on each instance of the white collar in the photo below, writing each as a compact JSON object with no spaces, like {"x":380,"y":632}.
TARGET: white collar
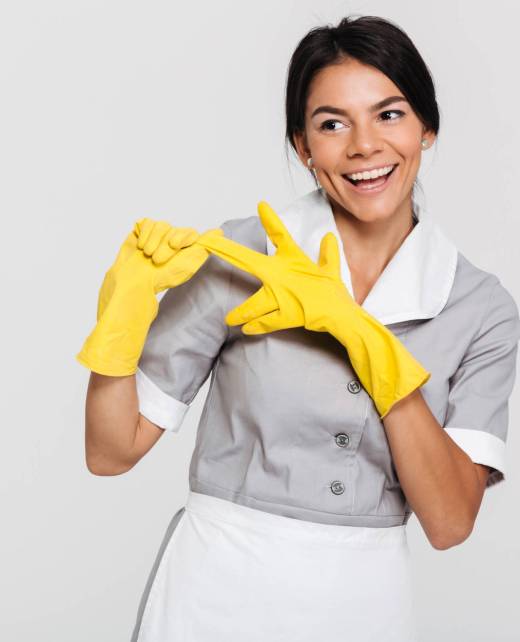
{"x":415,"y":284}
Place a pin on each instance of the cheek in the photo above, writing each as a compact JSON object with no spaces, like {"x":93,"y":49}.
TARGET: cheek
{"x":326,"y":149}
{"x":413,"y":162}
{"x":407,"y":146}
{"x":405,"y":139}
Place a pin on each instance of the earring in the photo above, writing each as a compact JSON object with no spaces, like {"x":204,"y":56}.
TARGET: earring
{"x":309,"y":165}
{"x":424,"y":143}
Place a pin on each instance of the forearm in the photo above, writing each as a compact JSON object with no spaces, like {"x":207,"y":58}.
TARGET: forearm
{"x":111,"y":421}
{"x":437,"y":477}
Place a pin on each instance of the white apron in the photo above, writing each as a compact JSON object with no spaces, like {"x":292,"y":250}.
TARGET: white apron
{"x":230,"y":573}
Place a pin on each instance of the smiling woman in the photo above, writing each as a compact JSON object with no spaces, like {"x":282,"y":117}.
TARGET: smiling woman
{"x":370,"y":380}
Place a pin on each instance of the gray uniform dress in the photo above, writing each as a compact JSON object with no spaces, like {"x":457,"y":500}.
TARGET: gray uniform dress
{"x":287,"y":428}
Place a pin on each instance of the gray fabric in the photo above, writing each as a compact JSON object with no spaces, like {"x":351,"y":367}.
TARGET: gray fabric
{"x":268,"y":434}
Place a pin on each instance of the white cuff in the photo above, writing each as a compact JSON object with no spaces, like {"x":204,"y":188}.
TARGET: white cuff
{"x":482,"y":447}
{"x":157,"y":406}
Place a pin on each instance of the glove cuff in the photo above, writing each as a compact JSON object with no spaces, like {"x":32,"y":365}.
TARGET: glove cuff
{"x":386,"y":369}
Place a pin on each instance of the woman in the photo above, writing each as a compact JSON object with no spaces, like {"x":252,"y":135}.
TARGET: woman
{"x":360,"y":371}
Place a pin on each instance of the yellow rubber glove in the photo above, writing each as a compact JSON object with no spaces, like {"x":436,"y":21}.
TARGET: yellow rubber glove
{"x":298,"y":292}
{"x":154,"y":256}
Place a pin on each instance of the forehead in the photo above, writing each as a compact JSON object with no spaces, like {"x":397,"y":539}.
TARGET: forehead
{"x":349,"y":84}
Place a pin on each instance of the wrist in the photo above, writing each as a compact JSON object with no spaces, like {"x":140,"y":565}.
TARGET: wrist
{"x":386,"y":369}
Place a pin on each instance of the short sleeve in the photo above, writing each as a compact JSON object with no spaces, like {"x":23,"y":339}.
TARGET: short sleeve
{"x":183,"y":343}
{"x":478,"y":402}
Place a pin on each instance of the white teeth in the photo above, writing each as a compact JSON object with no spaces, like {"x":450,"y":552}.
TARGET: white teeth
{"x":373,"y":174}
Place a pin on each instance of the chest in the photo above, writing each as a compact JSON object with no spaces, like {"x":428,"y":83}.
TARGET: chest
{"x":306,"y":377}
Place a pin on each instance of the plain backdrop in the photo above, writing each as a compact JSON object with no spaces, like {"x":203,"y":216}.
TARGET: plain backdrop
{"x":111,"y":111}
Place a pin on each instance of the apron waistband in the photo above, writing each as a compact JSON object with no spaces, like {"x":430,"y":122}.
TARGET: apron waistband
{"x":223,"y":511}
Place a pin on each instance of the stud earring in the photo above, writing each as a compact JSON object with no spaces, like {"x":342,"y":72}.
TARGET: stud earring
{"x":309,"y":162}
{"x":424,"y":143}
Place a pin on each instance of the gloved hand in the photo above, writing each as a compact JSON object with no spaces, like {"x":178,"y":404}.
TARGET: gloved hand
{"x":154,"y":256}
{"x":298,"y":292}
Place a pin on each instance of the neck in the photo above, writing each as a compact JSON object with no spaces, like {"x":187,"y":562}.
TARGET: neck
{"x":369,"y":246}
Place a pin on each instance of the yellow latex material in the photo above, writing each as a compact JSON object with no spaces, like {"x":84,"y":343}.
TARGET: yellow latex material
{"x":298,"y":292}
{"x":154,"y":256}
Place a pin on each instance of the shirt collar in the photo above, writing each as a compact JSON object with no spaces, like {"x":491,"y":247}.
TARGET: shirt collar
{"x":417,"y":281}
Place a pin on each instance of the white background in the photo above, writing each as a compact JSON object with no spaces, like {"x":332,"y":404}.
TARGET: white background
{"x":111,"y":111}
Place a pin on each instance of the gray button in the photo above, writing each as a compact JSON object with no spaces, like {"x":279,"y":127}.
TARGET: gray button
{"x":342,"y":439}
{"x":354,"y":386}
{"x":337,"y":487}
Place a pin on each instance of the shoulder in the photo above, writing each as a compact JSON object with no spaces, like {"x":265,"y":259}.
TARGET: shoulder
{"x":480,"y":299}
{"x":247,"y":230}
{"x":471,"y":282}
{"x":474,"y":286}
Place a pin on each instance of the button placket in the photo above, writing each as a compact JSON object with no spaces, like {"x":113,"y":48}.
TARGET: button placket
{"x":344,"y":440}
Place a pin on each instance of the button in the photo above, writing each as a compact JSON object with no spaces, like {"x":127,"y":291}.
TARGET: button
{"x":342,"y":439}
{"x":337,"y":487}
{"x":354,"y":386}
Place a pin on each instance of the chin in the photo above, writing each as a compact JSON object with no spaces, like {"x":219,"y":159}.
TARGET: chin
{"x":369,"y":212}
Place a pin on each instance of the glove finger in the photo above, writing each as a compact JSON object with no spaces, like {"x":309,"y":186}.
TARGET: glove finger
{"x":277,"y":231}
{"x":155,"y":237}
{"x":181,"y":237}
{"x":329,"y":256}
{"x":144,"y":227}
{"x":175,"y":239}
{"x":242,"y":257}
{"x":181,"y":267}
{"x":163,"y":253}
{"x":258,"y":304}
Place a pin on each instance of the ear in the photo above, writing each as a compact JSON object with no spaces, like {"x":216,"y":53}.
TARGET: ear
{"x":430,"y":136}
{"x":302,"y":148}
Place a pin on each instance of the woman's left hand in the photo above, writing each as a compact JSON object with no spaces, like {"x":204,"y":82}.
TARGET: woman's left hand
{"x":298,"y":292}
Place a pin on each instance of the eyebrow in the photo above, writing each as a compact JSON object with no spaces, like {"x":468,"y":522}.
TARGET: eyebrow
{"x":342,"y":112}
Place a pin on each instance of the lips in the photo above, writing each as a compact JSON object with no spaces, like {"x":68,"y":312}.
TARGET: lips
{"x":371,"y":187}
{"x":355,"y":182}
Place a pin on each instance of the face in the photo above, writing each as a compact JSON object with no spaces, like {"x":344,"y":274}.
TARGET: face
{"x":346,"y":131}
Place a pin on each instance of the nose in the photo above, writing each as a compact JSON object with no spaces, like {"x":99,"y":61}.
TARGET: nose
{"x":363,"y":141}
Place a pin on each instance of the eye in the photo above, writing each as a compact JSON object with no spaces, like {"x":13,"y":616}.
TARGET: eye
{"x":326,"y":122}
{"x":393,"y":111}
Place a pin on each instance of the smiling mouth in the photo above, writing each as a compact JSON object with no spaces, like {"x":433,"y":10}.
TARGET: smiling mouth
{"x":369,"y":181}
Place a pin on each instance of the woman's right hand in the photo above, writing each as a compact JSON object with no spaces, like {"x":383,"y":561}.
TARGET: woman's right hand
{"x":158,"y":254}
{"x":154,"y":256}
